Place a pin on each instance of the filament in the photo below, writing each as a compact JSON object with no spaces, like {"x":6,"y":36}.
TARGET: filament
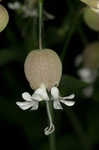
{"x":51,"y":128}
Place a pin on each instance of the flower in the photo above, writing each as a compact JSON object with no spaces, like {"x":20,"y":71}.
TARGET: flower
{"x":28,"y":12}
{"x":57,"y":99}
{"x":4,"y":18}
{"x":14,"y":6}
{"x":92,"y":4}
{"x":43,"y":70}
{"x":87,"y":75}
{"x":33,"y":101}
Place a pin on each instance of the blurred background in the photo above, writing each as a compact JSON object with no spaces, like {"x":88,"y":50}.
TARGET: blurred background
{"x":68,"y":30}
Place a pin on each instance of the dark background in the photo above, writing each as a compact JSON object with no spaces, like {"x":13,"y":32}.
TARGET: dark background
{"x":76,"y":127}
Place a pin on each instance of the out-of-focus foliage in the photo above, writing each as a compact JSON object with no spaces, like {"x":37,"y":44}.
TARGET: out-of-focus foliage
{"x":67,"y":34}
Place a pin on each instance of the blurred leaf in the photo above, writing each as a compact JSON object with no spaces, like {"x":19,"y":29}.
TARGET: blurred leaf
{"x":68,"y":142}
{"x":93,"y":122}
{"x":9,"y":55}
{"x":96,"y":90}
{"x":70,"y":85}
{"x":60,"y":33}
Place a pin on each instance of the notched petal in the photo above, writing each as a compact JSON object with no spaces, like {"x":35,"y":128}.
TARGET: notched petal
{"x":57,"y":104}
{"x":68,"y":97}
{"x":26,"y":96}
{"x":68,"y":103}
{"x":24,"y":105}
{"x":41,"y":94}
{"x":55,"y":92}
{"x":36,"y":97}
{"x":35,"y":106}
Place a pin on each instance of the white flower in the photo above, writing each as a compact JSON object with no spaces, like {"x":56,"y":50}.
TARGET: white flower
{"x":14,"y":6}
{"x":33,"y":101}
{"x":57,"y":99}
{"x":27,"y":12}
{"x":87,"y":75}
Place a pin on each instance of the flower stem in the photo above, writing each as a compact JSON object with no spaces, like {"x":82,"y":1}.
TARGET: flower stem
{"x":40,"y":22}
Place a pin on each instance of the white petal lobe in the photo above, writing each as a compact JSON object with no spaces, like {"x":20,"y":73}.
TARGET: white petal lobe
{"x":35,"y":106}
{"x":36,"y":97}
{"x":26,"y":96}
{"x":57,"y":105}
{"x":55,"y":92}
{"x":68,"y":97}
{"x":41,"y":94}
{"x":68,"y":103}
{"x":24,"y":105}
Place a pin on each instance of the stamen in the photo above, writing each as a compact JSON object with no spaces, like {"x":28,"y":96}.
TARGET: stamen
{"x":51,"y":128}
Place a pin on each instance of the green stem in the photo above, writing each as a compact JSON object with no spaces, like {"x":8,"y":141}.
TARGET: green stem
{"x":70,"y":33}
{"x":35,"y":34}
{"x":40,"y":22}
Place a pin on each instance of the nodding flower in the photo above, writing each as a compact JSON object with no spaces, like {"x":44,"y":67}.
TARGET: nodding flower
{"x":28,"y":10}
{"x":93,"y":4}
{"x":4,"y":18}
{"x":43,"y":70}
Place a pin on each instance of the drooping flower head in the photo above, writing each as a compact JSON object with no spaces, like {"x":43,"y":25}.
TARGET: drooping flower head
{"x":91,"y":56}
{"x":92,"y":4}
{"x":91,"y":18}
{"x":43,"y":70}
{"x":4,"y":18}
{"x":88,"y":71}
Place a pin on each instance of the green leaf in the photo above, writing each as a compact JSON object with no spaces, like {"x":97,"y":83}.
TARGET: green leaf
{"x":93,"y":122}
{"x":9,"y":55}
{"x":67,"y":142}
{"x":70,"y":85}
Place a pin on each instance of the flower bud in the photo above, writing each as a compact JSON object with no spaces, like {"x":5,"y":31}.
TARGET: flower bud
{"x":43,"y":67}
{"x":92,"y":3}
{"x":4,"y":18}
{"x":91,"y":56}
{"x":91,"y":18}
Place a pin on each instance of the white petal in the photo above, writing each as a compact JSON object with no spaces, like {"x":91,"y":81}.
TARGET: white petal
{"x":48,"y":15}
{"x":24,"y":105}
{"x":68,"y":97}
{"x":57,"y":104}
{"x":35,"y":106}
{"x":36,"y":97}
{"x":55,"y":92}
{"x":26,"y":96}
{"x":68,"y":103}
{"x":40,"y":94}
{"x":14,"y":6}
